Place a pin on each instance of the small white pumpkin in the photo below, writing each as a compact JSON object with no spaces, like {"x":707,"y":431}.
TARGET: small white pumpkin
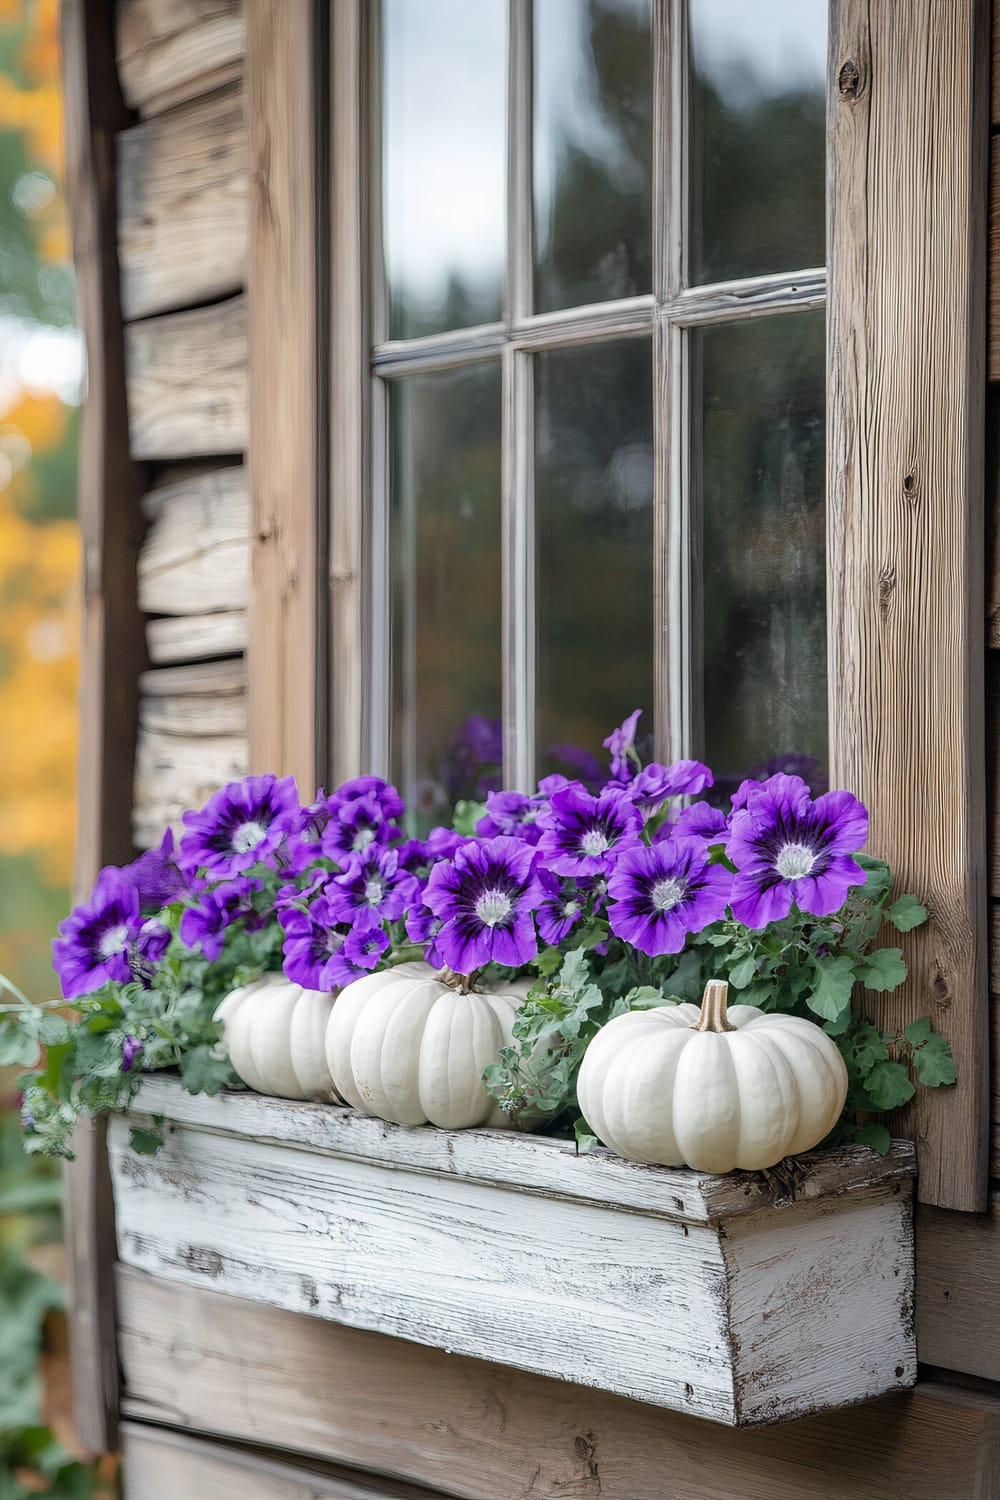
{"x":274,"y":1033}
{"x":711,"y":1089}
{"x":410,"y":1045}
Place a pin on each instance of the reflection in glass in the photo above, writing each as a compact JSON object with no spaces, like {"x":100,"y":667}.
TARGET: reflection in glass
{"x":444,"y":544}
{"x":443,"y":140}
{"x":758,"y":446}
{"x":594,"y":519}
{"x":593,"y":134}
{"x":758,"y":100}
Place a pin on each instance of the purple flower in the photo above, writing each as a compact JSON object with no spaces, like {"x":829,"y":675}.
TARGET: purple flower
{"x":372,"y":885}
{"x":621,"y":743}
{"x":156,"y":876}
{"x":208,"y":922}
{"x":422,"y":926}
{"x":789,"y":849}
{"x":316,"y":951}
{"x":794,"y":763}
{"x":96,"y":938}
{"x":354,"y":826}
{"x":561,"y":908}
{"x":474,"y":758}
{"x":442,"y":843}
{"x":656,"y":784}
{"x":389,"y":801}
{"x":365,"y":946}
{"x":303,"y":845}
{"x":511,"y":815}
{"x":581,"y":762}
{"x":485,"y":897}
{"x":701,"y":821}
{"x":660,"y":894}
{"x":153,"y":940}
{"x":583,"y":834}
{"x":553,"y":783}
{"x":243,"y":825}
{"x":131,"y":1049}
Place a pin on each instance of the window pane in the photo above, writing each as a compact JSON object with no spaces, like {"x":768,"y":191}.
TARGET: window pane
{"x":594,"y":518}
{"x":445,"y":571}
{"x":758,"y":101}
{"x":592,"y":151}
{"x":444,"y":71}
{"x":759,"y":456}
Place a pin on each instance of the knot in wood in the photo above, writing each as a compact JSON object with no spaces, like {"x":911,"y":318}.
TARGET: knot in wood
{"x":849,"y":79}
{"x":886,"y":589}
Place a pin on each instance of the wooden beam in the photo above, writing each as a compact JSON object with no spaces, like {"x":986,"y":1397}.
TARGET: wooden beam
{"x":958,"y":1289}
{"x":183,"y":180}
{"x":216,"y":1364}
{"x":173,"y":50}
{"x":187,"y":382}
{"x":286,"y":53}
{"x":906,"y":383}
{"x":196,"y":556}
{"x":993,"y":364}
{"x":112,"y":649}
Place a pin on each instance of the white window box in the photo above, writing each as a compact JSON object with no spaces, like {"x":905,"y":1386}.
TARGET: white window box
{"x":747,"y":1299}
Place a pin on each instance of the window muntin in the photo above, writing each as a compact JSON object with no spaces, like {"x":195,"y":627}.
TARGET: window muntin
{"x":665,"y":324}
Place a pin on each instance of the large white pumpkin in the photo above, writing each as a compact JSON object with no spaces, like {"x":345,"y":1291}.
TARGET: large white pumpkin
{"x":710,"y":1088}
{"x":410,"y":1046}
{"x":274,"y":1032}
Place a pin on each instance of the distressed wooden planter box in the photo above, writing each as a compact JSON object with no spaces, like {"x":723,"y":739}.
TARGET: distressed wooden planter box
{"x":746,"y":1299}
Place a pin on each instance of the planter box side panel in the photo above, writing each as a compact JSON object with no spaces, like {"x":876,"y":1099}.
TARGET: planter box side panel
{"x":631,"y":1304}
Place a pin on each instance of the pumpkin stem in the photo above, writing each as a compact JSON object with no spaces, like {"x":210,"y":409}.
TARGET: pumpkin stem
{"x":463,"y":983}
{"x":713,"y":1008}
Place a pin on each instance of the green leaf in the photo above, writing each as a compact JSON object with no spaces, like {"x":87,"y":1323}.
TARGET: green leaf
{"x":466,"y":816}
{"x":878,"y":876}
{"x":934,"y":1064}
{"x":888,"y":1085}
{"x":548,"y":961}
{"x":868,"y":1047}
{"x":830,"y":996}
{"x":906,"y":913}
{"x":919,"y":1031}
{"x":873,"y":1135}
{"x":586,"y":1140}
{"x":742,"y":973}
{"x":883,"y":969}
{"x":145,"y":1142}
{"x":202,"y":1072}
{"x":17,"y":1048}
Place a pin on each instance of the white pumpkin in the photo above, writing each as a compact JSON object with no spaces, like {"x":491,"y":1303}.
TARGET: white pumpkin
{"x":274,"y":1032}
{"x":409,"y":1045}
{"x":711,"y":1089}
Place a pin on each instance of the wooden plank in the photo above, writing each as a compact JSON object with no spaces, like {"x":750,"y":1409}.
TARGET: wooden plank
{"x":196,"y":637}
{"x":958,"y":1289}
{"x":196,"y":556}
{"x":286,"y":657}
{"x":173,"y":50}
{"x":187,"y":382}
{"x":161,"y":1465}
{"x":772,"y":1314}
{"x":175,"y":772}
{"x":182,"y":206}
{"x":190,"y":715}
{"x":994,"y":265}
{"x":905,"y":515}
{"x":995,"y":71}
{"x":216,"y":1364}
{"x":112,"y":650}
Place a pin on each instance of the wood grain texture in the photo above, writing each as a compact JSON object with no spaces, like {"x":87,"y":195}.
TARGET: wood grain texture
{"x":187,"y":382}
{"x":173,"y":50}
{"x":174,"y":772}
{"x":216,"y":1364}
{"x":286,"y":657}
{"x":958,"y":1289}
{"x":905,"y":515}
{"x":196,"y":637}
{"x":993,"y":365}
{"x":183,"y":181}
{"x":160,"y":1465}
{"x":774,"y":1313}
{"x":196,"y":556}
{"x":995,"y":71}
{"x":112,"y":652}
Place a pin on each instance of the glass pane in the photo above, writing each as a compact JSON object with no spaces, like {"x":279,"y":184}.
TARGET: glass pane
{"x":759,"y":456}
{"x":444,"y":68}
{"x":758,"y":101}
{"x":445,"y":577}
{"x":593,"y":136}
{"x":594,"y":519}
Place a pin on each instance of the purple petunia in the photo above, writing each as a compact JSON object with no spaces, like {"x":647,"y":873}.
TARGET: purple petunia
{"x":132,"y":1048}
{"x":511,"y":815}
{"x":583,"y":835}
{"x":323,"y":953}
{"x":244,"y":824}
{"x":561,"y":909}
{"x":485,"y":897}
{"x":661,"y":893}
{"x":96,"y":939}
{"x":789,"y":849}
{"x":365,"y":946}
{"x":206,"y":924}
{"x":302,"y":846}
{"x":372,"y":885}
{"x":701,"y":820}
{"x":584,"y":765}
{"x":422,"y":926}
{"x":656,"y":784}
{"x":354,"y":826}
{"x":157,"y":877}
{"x":621,"y":743}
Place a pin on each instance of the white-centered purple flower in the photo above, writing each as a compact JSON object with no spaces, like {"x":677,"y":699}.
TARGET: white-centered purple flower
{"x":206,"y":924}
{"x":372,"y":885}
{"x":323,"y":953}
{"x":583,"y":835}
{"x":661,"y":893}
{"x":97,"y":939}
{"x":656,"y":784}
{"x":789,"y":849}
{"x":511,"y":815}
{"x":485,"y":898}
{"x":562,"y":908}
{"x":621,"y":743}
{"x":244,"y":824}
{"x":701,"y":821}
